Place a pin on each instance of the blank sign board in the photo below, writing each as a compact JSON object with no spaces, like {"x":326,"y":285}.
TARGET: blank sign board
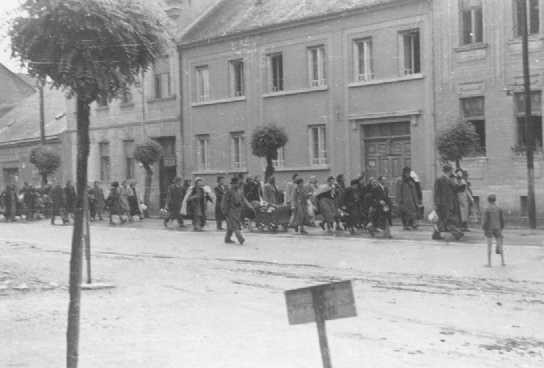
{"x":333,"y":301}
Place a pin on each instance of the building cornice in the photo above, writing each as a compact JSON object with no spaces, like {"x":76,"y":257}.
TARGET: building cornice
{"x":291,"y":24}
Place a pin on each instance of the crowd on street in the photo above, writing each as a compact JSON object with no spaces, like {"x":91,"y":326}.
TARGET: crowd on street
{"x":364,"y":205}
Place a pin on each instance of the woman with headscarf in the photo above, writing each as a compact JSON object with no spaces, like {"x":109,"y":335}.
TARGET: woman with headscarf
{"x":197,"y":204}
{"x":353,"y":206}
{"x":464,"y":198}
{"x":407,"y":201}
{"x":326,"y":198}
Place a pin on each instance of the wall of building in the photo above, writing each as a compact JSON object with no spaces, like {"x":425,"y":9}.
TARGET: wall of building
{"x":343,"y":105}
{"x":16,"y":157}
{"x":492,"y":69}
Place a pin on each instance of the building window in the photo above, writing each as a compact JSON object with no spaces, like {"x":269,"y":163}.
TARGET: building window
{"x":279,"y":162}
{"x":523,"y":206}
{"x":316,"y":66}
{"x":535,"y":118}
{"x":161,"y":78}
{"x":318,"y":145}
{"x":471,"y":21}
{"x":105,"y":163}
{"x":276,"y":72}
{"x":202,"y":151}
{"x":473,"y":112}
{"x":533,"y":16}
{"x":126,"y":97}
{"x":202,"y":84}
{"x":411,"y":58}
{"x":237,"y":150}
{"x":128,"y":148}
{"x":362,"y":54}
{"x":237,"y":78}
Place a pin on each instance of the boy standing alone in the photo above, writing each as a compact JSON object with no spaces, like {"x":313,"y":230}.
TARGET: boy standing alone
{"x":493,"y":223}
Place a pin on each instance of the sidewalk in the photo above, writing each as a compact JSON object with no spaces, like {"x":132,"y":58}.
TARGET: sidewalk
{"x":512,"y":236}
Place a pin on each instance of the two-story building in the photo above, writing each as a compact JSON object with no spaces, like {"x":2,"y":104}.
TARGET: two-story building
{"x":478,"y":75}
{"x":151,"y":109}
{"x":350,"y":81}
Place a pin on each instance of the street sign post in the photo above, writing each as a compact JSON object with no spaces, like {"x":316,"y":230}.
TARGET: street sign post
{"x":319,"y":304}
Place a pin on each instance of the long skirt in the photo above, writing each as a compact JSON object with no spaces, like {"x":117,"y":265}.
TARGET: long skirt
{"x":327,"y":209}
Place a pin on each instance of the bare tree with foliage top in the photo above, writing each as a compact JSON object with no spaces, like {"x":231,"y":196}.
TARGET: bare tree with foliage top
{"x":46,"y":160}
{"x":458,"y":142}
{"x":93,"y":49}
{"x":148,"y":153}
{"x":265,"y":142}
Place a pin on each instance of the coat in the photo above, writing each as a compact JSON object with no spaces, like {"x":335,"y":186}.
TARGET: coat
{"x":69,"y":198}
{"x":406,"y":197}
{"x":114,"y":202}
{"x":231,"y":206}
{"x":445,"y":200}
{"x":220,"y":192}
{"x":174,"y":198}
{"x":300,"y":206}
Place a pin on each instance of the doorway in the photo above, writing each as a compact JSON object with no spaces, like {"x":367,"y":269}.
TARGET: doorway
{"x":387,"y":150}
{"x":167,"y":167}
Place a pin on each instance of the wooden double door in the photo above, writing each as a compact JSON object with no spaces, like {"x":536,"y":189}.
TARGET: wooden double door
{"x":387,"y":150}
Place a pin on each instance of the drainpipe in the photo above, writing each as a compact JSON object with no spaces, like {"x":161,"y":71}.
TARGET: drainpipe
{"x":181,"y":117}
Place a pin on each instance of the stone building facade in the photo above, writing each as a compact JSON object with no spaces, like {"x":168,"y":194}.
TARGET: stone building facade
{"x":478,"y":75}
{"x":351,"y":82}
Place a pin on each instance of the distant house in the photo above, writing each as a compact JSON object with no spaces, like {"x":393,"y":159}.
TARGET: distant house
{"x":20,"y":132}
{"x":13,"y":88}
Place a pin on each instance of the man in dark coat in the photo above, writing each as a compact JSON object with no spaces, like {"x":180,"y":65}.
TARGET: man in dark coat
{"x":174,"y":199}
{"x":407,"y":201}
{"x":220,"y":191}
{"x":10,"y":200}
{"x":231,"y":206}
{"x":58,"y":204}
{"x":445,"y":203}
{"x":69,"y":198}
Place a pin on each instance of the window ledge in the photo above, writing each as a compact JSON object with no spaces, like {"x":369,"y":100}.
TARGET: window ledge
{"x":295,"y":92}
{"x":220,"y":101}
{"x":374,"y":82}
{"x":220,"y":172}
{"x":126,"y":105}
{"x":303,"y":168}
{"x":472,"y":46}
{"x":155,"y":100}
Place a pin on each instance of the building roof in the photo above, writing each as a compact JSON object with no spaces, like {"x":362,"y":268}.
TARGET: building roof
{"x":22,"y":122}
{"x":230,"y":17}
{"x":13,"y":88}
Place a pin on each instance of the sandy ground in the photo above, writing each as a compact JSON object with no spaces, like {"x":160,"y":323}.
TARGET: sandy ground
{"x":187,"y":300}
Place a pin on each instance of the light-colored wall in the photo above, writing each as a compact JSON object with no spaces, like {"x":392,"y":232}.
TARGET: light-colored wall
{"x":343,"y":106}
{"x":492,"y":70}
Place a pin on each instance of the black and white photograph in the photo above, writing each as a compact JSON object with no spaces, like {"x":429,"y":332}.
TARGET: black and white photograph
{"x":271,"y":183}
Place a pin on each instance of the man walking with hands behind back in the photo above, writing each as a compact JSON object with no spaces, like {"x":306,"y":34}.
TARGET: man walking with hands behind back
{"x":231,"y":206}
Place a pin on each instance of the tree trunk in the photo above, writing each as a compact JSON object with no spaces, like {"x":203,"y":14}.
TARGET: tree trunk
{"x":76,"y":259}
{"x":457,"y":164}
{"x":269,"y":168}
{"x":44,"y":180}
{"x":148,"y":181}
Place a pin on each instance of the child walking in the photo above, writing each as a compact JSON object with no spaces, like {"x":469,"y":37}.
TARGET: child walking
{"x":493,"y":224}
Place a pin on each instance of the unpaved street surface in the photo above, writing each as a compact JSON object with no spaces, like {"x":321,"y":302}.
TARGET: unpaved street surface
{"x":187,"y":300}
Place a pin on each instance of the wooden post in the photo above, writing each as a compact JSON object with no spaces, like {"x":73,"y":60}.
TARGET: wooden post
{"x":321,"y":329}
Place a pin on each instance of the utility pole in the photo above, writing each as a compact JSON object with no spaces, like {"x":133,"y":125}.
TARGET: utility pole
{"x":528,"y":131}
{"x":41,"y":84}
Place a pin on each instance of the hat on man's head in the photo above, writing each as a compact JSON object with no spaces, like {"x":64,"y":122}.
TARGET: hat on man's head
{"x":234,"y":180}
{"x":447,"y":168}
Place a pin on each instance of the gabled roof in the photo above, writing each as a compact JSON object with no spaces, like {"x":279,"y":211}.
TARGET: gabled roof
{"x":231,"y":17}
{"x":23,"y":121}
{"x":13,"y":88}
